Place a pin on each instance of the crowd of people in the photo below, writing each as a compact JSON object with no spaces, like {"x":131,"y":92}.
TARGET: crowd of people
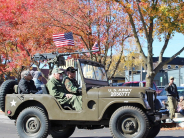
{"x":62,"y":85}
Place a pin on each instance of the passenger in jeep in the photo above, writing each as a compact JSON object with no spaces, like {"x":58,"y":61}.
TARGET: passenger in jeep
{"x":56,"y":89}
{"x":26,"y":84}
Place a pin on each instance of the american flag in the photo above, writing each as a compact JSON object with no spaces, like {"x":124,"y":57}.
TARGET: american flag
{"x":95,"y":47}
{"x":65,"y":39}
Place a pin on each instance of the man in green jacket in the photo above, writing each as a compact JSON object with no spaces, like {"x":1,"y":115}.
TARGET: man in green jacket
{"x":56,"y":89}
{"x":70,"y":84}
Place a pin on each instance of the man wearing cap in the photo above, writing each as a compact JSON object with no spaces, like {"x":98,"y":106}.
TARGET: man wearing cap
{"x":172,"y":94}
{"x":26,"y":84}
{"x":56,"y":89}
{"x":70,"y":84}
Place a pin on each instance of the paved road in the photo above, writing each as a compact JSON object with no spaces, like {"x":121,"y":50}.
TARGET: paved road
{"x":8,"y":130}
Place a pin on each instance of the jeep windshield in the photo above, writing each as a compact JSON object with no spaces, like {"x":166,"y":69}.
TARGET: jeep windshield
{"x":93,"y":72}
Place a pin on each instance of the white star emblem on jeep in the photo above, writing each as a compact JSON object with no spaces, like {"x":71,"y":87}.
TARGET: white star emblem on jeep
{"x":13,"y":103}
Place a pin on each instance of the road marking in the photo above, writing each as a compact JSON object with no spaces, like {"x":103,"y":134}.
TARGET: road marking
{"x":4,"y":119}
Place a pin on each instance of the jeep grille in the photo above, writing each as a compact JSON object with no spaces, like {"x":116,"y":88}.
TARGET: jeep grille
{"x":150,"y":100}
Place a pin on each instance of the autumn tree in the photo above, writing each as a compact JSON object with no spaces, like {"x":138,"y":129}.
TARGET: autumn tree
{"x":90,"y":21}
{"x":152,"y":19}
{"x":21,"y":36}
{"x":130,"y":60}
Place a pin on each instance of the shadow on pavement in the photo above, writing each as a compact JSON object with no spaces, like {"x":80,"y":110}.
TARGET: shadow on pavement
{"x":169,"y":137}
{"x":155,"y":137}
{"x":91,"y":137}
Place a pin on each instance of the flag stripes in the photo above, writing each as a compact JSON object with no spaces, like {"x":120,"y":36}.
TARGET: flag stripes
{"x":65,"y":39}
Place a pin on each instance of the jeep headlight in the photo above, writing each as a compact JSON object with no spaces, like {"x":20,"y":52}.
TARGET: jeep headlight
{"x":144,"y":95}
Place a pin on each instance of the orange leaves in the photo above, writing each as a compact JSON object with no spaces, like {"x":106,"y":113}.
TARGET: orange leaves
{"x":174,"y":128}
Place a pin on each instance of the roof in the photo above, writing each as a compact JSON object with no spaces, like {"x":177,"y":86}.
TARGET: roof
{"x":175,"y":61}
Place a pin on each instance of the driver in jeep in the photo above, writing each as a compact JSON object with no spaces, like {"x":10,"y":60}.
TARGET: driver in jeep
{"x":56,"y":89}
{"x":69,"y":81}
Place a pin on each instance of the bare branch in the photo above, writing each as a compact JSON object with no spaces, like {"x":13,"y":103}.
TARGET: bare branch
{"x":110,"y":61}
{"x":142,"y":20}
{"x":117,"y":63}
{"x":161,"y":64}
{"x":137,"y":38}
{"x":164,"y":47}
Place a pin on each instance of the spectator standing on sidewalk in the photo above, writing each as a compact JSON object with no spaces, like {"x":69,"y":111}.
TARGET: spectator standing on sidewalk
{"x":172,"y":94}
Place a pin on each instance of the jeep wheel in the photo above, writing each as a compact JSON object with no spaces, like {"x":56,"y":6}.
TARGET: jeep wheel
{"x":154,"y":130}
{"x":32,"y":122}
{"x":6,"y":88}
{"x":129,"y":122}
{"x":62,"y":132}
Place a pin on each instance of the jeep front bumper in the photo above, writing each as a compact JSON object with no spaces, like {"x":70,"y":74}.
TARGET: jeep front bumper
{"x":159,"y":116}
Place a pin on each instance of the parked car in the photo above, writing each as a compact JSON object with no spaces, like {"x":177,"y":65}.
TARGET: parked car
{"x":161,"y":87}
{"x":141,"y":84}
{"x":163,"y":95}
{"x":117,"y":84}
{"x":180,"y":92}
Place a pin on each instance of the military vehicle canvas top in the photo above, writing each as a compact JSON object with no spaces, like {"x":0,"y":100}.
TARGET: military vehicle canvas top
{"x":128,"y":112}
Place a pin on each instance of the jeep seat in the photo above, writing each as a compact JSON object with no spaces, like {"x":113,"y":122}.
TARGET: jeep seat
{"x":44,"y":89}
{"x":16,"y":89}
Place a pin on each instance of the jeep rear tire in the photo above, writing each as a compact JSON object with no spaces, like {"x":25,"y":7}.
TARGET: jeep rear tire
{"x":129,"y":122}
{"x":32,"y":122}
{"x":62,"y":132}
{"x":6,"y":88}
{"x":154,"y":130}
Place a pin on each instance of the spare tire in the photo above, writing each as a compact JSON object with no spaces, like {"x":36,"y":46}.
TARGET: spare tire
{"x":6,"y":88}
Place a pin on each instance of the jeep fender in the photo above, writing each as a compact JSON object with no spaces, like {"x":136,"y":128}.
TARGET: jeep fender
{"x":107,"y":102}
{"x":17,"y":102}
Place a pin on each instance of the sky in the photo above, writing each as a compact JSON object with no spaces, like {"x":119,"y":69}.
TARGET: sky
{"x":174,"y":45}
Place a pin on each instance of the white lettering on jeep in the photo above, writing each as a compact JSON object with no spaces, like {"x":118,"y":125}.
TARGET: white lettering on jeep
{"x":120,"y":92}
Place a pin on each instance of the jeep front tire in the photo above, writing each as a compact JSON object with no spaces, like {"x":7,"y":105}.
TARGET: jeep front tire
{"x":129,"y":122}
{"x":154,"y":129}
{"x":32,"y":122}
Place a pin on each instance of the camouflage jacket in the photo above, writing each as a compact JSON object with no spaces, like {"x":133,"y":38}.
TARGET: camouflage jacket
{"x":71,"y":85}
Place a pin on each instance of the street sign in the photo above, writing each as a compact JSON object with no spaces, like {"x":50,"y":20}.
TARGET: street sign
{"x":160,"y":79}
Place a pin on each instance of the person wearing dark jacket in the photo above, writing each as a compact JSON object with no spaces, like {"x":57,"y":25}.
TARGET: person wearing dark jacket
{"x":172,"y":94}
{"x":26,"y":84}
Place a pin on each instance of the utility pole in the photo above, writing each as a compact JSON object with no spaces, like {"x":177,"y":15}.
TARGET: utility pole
{"x":132,"y":74}
{"x":179,"y":76}
{"x":141,"y":73}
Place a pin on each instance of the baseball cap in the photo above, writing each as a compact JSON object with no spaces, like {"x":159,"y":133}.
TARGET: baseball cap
{"x":171,"y":78}
{"x":58,"y":70}
{"x":71,"y":69}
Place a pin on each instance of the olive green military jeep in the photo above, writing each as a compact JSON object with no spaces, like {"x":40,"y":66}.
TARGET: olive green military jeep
{"x":129,"y":112}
